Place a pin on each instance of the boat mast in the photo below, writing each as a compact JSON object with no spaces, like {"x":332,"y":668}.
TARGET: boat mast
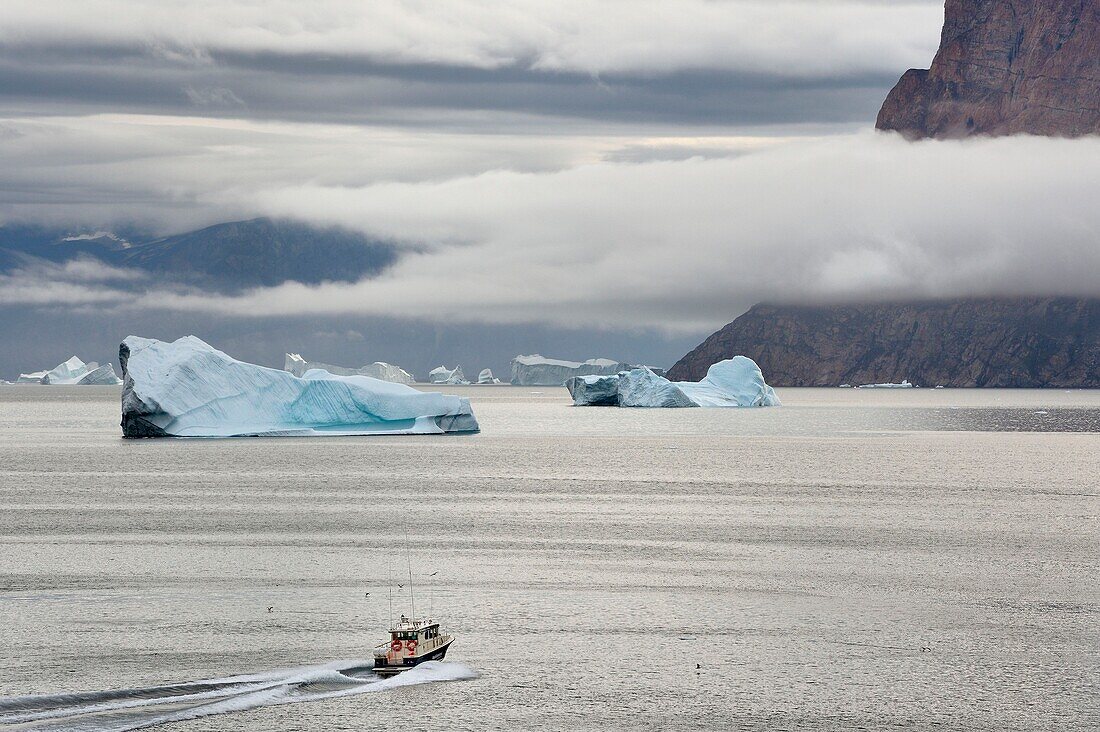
{"x":408,"y":556}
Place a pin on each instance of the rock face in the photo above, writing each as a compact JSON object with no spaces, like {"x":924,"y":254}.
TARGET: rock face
{"x":189,"y":389}
{"x":298,"y":366}
{"x":735,"y":382}
{"x":1017,"y":342}
{"x":1005,"y":67}
{"x":536,"y":370}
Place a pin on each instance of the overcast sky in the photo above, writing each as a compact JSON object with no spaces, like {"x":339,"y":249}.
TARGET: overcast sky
{"x":616,"y":164}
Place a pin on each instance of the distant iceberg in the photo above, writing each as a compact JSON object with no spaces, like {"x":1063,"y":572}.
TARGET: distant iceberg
{"x":736,"y":382}
{"x":536,"y":370}
{"x":102,"y":376}
{"x":902,"y":385}
{"x":486,"y":377}
{"x":189,"y":389}
{"x":74,"y":372}
{"x":298,"y":366}
{"x":444,"y":375}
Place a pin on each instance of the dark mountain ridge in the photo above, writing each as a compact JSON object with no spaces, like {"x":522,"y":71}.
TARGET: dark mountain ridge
{"x":228,"y":256}
{"x":990,"y":342}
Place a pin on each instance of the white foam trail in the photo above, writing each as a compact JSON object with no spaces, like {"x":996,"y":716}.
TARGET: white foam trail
{"x":130,"y":709}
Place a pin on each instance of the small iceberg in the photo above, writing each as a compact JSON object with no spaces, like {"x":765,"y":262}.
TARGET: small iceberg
{"x":74,"y":372}
{"x":381,"y":370}
{"x":536,"y":370}
{"x":187,"y":388}
{"x":902,"y":385}
{"x":444,"y":375}
{"x":736,"y":382}
{"x":486,"y":377}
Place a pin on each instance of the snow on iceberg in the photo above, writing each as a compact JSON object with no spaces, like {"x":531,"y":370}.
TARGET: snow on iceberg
{"x":74,"y":372}
{"x":536,"y":370}
{"x":486,"y":377}
{"x":902,"y":385}
{"x":736,"y":382}
{"x":444,"y":375}
{"x":189,"y":389}
{"x":298,"y":366}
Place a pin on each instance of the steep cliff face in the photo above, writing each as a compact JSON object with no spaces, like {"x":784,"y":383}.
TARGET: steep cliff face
{"x":1005,"y":67}
{"x":1019,"y":342}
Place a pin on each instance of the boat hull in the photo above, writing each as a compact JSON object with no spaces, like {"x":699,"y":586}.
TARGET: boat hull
{"x":436,"y":654}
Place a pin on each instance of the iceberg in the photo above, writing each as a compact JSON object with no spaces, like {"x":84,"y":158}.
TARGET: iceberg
{"x":594,"y":391}
{"x":902,"y":385}
{"x":486,"y":377}
{"x":102,"y":376}
{"x":736,"y":382}
{"x":74,"y":372}
{"x":641,"y":387}
{"x":444,"y":375}
{"x":381,"y":370}
{"x":536,"y":370}
{"x":187,"y":388}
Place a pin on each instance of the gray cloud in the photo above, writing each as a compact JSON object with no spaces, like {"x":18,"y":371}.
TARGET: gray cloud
{"x":733,"y":63}
{"x":793,"y":37}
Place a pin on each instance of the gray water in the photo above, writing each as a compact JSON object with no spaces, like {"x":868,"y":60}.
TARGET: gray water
{"x":855,"y":559}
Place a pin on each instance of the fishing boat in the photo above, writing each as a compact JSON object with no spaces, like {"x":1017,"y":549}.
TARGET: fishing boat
{"x":411,"y":643}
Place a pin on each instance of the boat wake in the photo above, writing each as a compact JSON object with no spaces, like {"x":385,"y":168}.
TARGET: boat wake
{"x":128,"y":709}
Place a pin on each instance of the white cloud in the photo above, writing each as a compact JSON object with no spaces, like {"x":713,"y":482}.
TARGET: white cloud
{"x":796,"y":37}
{"x":77,"y":282}
{"x":686,"y":244}
{"x":533,"y":228}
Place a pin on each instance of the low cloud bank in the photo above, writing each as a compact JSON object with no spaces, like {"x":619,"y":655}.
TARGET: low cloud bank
{"x":687,"y":244}
{"x":684,"y":245}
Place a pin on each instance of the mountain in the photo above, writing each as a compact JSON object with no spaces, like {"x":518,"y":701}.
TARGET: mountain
{"x":1002,"y":342}
{"x":1005,"y":67}
{"x":231,"y":255}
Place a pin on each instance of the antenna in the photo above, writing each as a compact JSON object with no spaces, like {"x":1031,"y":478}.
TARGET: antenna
{"x":389,"y":585}
{"x":408,"y":556}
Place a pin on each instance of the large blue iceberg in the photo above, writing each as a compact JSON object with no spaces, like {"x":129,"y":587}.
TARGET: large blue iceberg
{"x":736,"y":382}
{"x":187,"y":388}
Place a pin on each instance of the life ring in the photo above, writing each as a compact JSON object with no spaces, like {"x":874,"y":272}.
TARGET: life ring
{"x":395,"y":646}
{"x":411,"y":646}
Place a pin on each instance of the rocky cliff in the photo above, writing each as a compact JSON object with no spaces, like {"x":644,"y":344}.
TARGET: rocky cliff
{"x":1018,"y":342}
{"x":1005,"y":67}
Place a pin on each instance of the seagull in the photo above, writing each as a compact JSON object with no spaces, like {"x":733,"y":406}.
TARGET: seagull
{"x":366,"y":594}
{"x":401,"y":587}
{"x":433,"y":574}
{"x":270,"y":608}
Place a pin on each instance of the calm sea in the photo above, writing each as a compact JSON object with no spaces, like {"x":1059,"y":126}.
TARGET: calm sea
{"x":924,"y":559}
